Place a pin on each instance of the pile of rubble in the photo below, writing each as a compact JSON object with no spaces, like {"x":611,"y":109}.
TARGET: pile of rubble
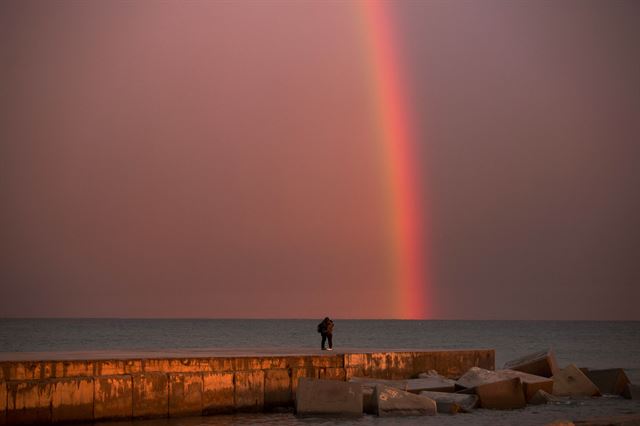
{"x":532,"y":379}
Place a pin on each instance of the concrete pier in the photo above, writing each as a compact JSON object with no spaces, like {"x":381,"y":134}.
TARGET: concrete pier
{"x":74,"y":387}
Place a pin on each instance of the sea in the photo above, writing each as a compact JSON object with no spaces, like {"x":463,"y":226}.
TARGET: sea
{"x":592,"y":344}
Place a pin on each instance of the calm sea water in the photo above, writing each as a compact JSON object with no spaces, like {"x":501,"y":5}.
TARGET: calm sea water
{"x":585,"y":343}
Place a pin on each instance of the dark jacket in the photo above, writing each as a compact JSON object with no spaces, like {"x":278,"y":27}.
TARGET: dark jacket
{"x":326,"y":326}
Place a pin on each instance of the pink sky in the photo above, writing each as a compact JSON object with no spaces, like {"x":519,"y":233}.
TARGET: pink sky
{"x":216,"y":159}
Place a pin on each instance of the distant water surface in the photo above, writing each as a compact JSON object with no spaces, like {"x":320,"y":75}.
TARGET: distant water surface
{"x":596,"y":344}
{"x":588,"y":344}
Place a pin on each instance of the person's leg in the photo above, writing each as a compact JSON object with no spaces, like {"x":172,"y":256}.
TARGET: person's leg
{"x":324,"y":339}
{"x":330,"y":337}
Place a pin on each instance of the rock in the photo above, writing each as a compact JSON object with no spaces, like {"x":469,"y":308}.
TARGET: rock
{"x":570,"y":381}
{"x":531,"y":383}
{"x":503,"y":395}
{"x":543,"y":397}
{"x":476,"y":376}
{"x":430,"y":373}
{"x":429,"y":383}
{"x":371,"y":382}
{"x":540,"y":363}
{"x":631,"y":391}
{"x":612,"y":381}
{"x":395,"y":402}
{"x":451,"y":403}
{"x":328,"y":397}
{"x":369,"y":405}
{"x":368,"y":385}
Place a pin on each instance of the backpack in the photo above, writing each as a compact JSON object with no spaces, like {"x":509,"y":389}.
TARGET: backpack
{"x":320,"y":328}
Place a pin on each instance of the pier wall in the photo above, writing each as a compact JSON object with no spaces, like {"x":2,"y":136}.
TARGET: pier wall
{"x":110,"y":389}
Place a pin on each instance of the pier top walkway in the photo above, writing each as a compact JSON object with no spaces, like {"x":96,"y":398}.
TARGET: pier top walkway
{"x":206,"y":353}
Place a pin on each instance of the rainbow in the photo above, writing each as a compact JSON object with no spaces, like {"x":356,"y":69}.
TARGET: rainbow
{"x":395,"y":133}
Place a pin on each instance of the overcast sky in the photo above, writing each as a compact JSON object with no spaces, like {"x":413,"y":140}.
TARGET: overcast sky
{"x":218,"y":159}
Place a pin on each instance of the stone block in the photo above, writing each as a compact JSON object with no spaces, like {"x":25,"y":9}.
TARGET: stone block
{"x":542,"y":363}
{"x":369,"y":405}
{"x":368,"y":385}
{"x":113,"y":367}
{"x":21,"y":370}
{"x":372,"y":382}
{"x":277,"y":389}
{"x":299,"y":361}
{"x":392,"y":365}
{"x":185,"y":394}
{"x":631,"y":391}
{"x":395,"y":402}
{"x":425,"y":361}
{"x":355,"y":372}
{"x":3,"y":403}
{"x":150,"y":395}
{"x":72,"y":400}
{"x":328,"y":361}
{"x":176,"y":365}
{"x":249,"y":390}
{"x":330,"y":373}
{"x":298,"y":373}
{"x":68,"y":369}
{"x":328,"y":397}
{"x":453,"y":364}
{"x":356,"y":360}
{"x":570,"y":381}
{"x":113,"y":397}
{"x":452,"y":403}
{"x":612,"y":381}
{"x":275,"y":363}
{"x":504,"y":395}
{"x":221,"y":364}
{"x":544,"y":397}
{"x":28,"y":402}
{"x":357,"y":365}
{"x":218,"y":393}
{"x":247,"y":363}
{"x":434,"y":383}
{"x":430,"y":381}
{"x":531,"y":383}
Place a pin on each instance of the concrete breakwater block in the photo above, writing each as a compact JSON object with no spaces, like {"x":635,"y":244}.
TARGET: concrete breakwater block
{"x":328,"y":397}
{"x":113,"y":397}
{"x":218,"y":393}
{"x":611,"y":381}
{"x":185,"y":394}
{"x":72,"y":400}
{"x":631,"y":391}
{"x":542,"y":397}
{"x":430,"y":381}
{"x":28,"y":402}
{"x":426,"y":382}
{"x":395,"y":402}
{"x":451,"y":403}
{"x":369,"y":405}
{"x":150,"y":395}
{"x":542,"y":363}
{"x":571,"y":381}
{"x":435,"y":383}
{"x":503,"y":395}
{"x":531,"y":383}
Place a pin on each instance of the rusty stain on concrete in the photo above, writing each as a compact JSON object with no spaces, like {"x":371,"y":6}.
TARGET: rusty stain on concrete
{"x":130,"y":385}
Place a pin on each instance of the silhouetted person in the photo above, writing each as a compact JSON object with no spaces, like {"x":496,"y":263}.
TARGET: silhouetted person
{"x":325,"y":328}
